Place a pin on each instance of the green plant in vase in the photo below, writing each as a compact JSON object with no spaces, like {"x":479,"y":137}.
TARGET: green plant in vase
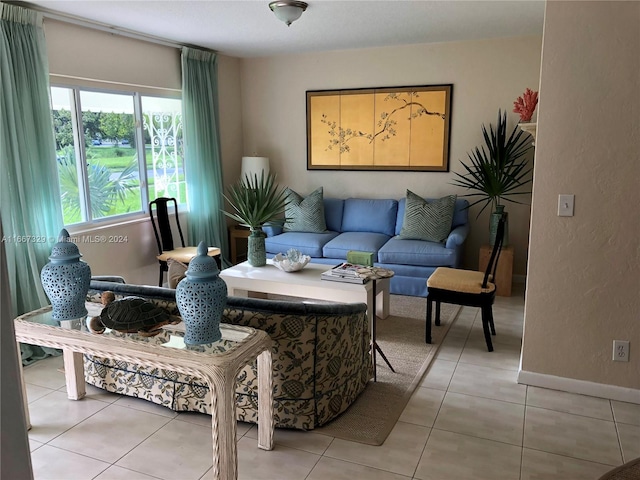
{"x":497,"y":170}
{"x":255,"y":202}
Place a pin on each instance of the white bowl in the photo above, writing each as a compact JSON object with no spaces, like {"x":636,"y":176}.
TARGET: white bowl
{"x":285,"y":265}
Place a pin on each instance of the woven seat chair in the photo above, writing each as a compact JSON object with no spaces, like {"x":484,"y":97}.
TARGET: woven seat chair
{"x":468,"y":288}
{"x":164,"y":236}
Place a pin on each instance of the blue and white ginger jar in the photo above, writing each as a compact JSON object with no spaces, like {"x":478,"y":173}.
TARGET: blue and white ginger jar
{"x":201,"y":297}
{"x":66,"y":279}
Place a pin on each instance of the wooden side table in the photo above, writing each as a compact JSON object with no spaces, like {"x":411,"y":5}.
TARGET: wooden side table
{"x":504,"y":272}
{"x":237,"y":232}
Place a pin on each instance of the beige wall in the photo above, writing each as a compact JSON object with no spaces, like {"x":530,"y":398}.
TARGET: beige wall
{"x":486,"y":75}
{"x":583,"y":283}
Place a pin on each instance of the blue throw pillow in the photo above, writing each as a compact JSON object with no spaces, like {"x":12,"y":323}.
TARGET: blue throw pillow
{"x":305,"y":214}
{"x":427,"y":221}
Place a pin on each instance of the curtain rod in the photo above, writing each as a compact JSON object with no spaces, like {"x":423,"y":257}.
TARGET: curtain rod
{"x":83,"y":22}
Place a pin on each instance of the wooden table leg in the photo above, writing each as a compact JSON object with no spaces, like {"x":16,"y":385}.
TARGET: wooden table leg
{"x":265,"y":401}
{"x":223,"y":428}
{"x":74,"y":374}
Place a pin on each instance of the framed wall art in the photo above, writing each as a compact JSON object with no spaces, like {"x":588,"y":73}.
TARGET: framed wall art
{"x":398,"y":128}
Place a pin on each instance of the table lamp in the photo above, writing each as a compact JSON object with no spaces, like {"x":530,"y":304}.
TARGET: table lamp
{"x":254,"y":166}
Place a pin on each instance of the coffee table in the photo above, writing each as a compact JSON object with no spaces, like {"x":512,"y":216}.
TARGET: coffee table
{"x":217,"y":363}
{"x":306,"y":283}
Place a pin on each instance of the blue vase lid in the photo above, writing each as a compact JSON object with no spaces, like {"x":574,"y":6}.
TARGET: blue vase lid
{"x":65,"y":249}
{"x":202,"y":267}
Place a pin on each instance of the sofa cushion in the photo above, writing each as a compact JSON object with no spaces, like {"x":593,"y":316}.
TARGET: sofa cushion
{"x":460,"y":213}
{"x":307,"y":243}
{"x":416,"y":252}
{"x":176,"y":272}
{"x":305,"y":214}
{"x":369,"y":215}
{"x":362,"y":241}
{"x":429,"y":221}
{"x":333,"y":209}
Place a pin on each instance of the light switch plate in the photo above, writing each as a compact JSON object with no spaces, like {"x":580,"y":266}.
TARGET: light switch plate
{"x":565,"y":205}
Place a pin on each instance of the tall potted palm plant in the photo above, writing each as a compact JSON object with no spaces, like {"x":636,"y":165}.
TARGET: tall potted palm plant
{"x":497,"y":170}
{"x":255,"y":202}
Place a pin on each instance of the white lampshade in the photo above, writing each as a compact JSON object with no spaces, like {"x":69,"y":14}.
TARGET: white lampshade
{"x":254,"y":166}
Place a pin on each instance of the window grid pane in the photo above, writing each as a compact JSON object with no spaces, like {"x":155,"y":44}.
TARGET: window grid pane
{"x":163,"y":150}
{"x":111,"y":168}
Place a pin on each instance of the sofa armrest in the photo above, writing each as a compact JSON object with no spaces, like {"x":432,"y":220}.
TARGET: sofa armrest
{"x":457,"y":236}
{"x":272,"y":229}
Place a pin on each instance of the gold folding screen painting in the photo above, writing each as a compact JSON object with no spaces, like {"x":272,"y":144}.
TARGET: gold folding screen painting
{"x":401,"y":128}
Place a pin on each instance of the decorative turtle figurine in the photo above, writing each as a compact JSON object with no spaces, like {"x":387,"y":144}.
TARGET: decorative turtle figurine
{"x":131,"y":315}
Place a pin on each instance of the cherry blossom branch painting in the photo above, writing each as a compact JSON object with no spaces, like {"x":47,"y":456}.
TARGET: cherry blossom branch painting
{"x":386,"y":124}
{"x":389,"y":128}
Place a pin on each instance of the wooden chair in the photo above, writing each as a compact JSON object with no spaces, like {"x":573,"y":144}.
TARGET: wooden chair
{"x":468,"y":288}
{"x":164,"y":236}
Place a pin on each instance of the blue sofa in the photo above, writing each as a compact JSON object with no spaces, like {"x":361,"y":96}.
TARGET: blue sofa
{"x":373,"y":225}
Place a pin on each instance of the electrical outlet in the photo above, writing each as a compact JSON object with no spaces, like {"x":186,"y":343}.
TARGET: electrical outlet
{"x":620,"y":351}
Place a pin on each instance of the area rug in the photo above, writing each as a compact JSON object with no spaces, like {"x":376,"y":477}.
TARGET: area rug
{"x":401,"y":337}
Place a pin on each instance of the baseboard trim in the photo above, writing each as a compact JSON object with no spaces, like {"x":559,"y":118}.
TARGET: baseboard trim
{"x":571,"y":385}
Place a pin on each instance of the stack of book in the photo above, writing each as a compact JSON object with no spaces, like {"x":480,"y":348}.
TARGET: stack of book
{"x":345,"y":272}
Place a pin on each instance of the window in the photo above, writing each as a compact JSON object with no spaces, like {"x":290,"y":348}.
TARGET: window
{"x":100,"y":139}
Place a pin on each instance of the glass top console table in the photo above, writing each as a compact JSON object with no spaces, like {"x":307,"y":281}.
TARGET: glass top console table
{"x":217,"y":363}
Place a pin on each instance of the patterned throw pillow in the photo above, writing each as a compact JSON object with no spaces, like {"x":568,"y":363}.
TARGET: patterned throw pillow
{"x":427,"y":221}
{"x":305,"y":214}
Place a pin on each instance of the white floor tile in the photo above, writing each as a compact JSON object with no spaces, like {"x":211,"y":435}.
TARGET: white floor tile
{"x":50,"y":463}
{"x":481,"y":417}
{"x":281,"y":463}
{"x":626,"y":412}
{"x":118,"y":473}
{"x":488,"y":382}
{"x":332,"y":469}
{"x":537,"y":465}
{"x":630,"y":441}
{"x":178,"y":450}
{"x":110,"y":434}
{"x":572,"y":435}
{"x":400,"y":453}
{"x":569,"y":403}
{"x":451,"y":456}
{"x":46,"y":373}
{"x":34,"y":392}
{"x":308,"y":441}
{"x":439,"y":375}
{"x":505,"y":356}
{"x":54,"y":414}
{"x":144,"y":406}
{"x":423,"y":407}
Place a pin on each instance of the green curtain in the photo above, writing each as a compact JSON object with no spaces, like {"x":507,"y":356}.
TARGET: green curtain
{"x":29,"y":193}
{"x":200,"y":121}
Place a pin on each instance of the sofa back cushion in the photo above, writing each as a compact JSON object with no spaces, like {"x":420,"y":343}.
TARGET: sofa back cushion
{"x":333,"y":210}
{"x":429,"y":221}
{"x":305,"y":214}
{"x":460,"y":213}
{"x":370,"y":215}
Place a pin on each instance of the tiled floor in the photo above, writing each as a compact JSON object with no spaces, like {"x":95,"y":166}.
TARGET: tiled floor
{"x":469,"y":419}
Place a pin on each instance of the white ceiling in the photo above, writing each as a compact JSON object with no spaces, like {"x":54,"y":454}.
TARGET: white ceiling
{"x":247,"y":28}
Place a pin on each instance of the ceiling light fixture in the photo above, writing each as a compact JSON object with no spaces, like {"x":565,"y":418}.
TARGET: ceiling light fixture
{"x":288,"y":10}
